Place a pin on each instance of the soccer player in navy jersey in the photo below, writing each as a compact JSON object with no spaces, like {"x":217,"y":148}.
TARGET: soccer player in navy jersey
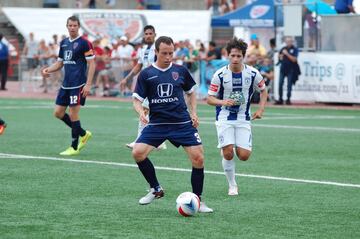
{"x":231,"y":89}
{"x":164,"y":84}
{"x":76,"y":55}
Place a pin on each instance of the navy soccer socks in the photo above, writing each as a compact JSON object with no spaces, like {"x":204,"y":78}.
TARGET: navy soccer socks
{"x":76,"y":131}
{"x":66,"y":119}
{"x":197,"y":181}
{"x":148,"y":171}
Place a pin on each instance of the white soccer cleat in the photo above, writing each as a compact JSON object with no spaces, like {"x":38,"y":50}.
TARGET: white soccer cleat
{"x":152,"y":194}
{"x":205,"y":209}
{"x":130,"y":145}
{"x":233,"y":191}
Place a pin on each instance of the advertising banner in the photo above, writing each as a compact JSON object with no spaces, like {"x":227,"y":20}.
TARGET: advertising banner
{"x":325,"y":77}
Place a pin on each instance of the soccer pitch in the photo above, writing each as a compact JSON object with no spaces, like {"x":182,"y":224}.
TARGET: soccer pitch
{"x":302,"y":180}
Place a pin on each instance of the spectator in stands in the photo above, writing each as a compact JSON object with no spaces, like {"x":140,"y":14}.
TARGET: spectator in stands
{"x":4,"y":62}
{"x":271,"y":52}
{"x":105,"y":75}
{"x":255,"y":47}
{"x":99,"y":63}
{"x":344,"y":6}
{"x":43,"y":56}
{"x":225,"y":6}
{"x":53,"y":55}
{"x":31,"y":53}
{"x":224,"y":54}
{"x":182,"y":53}
{"x":266,"y":68}
{"x":124,"y":55}
{"x":202,"y":51}
{"x":288,"y":68}
{"x":213,"y":52}
{"x":251,"y":60}
{"x":55,"y":39}
{"x":192,"y":62}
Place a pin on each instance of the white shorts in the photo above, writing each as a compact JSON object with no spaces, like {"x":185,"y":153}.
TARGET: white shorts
{"x":238,"y":134}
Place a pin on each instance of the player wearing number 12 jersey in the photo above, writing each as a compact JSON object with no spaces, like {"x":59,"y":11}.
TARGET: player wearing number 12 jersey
{"x":76,"y":54}
{"x":230,"y":91}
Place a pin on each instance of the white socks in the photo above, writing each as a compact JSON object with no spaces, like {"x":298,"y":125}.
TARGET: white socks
{"x":229,"y":169}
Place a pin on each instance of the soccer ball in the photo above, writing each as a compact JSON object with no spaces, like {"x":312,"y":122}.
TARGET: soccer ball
{"x":187,"y":204}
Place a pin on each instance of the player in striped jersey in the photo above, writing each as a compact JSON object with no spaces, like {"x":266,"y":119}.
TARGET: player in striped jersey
{"x":77,"y":56}
{"x":146,"y":57}
{"x":230,"y":91}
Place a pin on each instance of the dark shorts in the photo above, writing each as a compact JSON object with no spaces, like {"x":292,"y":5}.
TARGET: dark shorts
{"x":177,"y":134}
{"x":70,"y":97}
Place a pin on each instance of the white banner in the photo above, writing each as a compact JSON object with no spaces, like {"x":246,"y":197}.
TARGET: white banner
{"x":325,"y":77}
{"x":44,"y":22}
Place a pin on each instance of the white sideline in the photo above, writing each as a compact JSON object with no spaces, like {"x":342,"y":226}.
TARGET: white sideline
{"x":18,"y":156}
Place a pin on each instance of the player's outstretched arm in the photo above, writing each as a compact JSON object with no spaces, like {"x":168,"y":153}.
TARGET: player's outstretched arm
{"x":45,"y":72}
{"x":263,"y":99}
{"x":132,"y":73}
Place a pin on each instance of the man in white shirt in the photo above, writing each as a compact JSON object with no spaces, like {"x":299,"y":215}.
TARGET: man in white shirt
{"x":124,"y":52}
{"x":230,"y":91}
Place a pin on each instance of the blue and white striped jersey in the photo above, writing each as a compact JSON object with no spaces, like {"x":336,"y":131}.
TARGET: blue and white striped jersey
{"x":225,"y":84}
{"x":147,"y":55}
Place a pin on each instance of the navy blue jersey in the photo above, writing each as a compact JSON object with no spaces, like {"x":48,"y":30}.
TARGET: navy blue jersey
{"x":165,"y":90}
{"x":74,"y":53}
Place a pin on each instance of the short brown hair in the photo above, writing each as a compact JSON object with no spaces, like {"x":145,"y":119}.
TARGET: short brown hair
{"x":73,"y":18}
{"x":163,"y":39}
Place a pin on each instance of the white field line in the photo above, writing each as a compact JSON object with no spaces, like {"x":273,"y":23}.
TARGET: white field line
{"x":350,"y":130}
{"x":18,"y":156}
{"x":24,"y":107}
{"x":208,"y":120}
{"x":297,"y":117}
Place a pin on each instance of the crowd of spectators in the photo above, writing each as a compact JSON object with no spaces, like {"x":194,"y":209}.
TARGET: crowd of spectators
{"x":115,"y":58}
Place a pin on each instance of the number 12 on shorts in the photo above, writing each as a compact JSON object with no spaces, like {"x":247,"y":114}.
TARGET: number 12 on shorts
{"x":73,"y":99}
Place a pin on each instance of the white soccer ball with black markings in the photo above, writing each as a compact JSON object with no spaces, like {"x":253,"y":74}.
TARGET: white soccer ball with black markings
{"x":187,"y":204}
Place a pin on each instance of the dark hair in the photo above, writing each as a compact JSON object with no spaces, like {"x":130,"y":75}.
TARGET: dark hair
{"x":238,"y":44}
{"x":73,"y":19}
{"x":163,"y":39}
{"x":149,"y":27}
{"x":212,"y":43}
{"x":272,"y":42}
{"x":1,"y":36}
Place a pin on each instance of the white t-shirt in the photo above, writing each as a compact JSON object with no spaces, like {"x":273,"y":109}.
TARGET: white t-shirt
{"x":125,"y":52}
{"x":226,"y":85}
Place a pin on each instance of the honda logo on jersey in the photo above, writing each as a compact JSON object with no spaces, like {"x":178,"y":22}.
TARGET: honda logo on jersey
{"x":165,"y":90}
{"x":67,"y":55}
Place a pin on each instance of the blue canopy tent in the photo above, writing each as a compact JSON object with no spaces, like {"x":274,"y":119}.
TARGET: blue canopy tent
{"x":319,"y":7}
{"x":257,"y":14}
